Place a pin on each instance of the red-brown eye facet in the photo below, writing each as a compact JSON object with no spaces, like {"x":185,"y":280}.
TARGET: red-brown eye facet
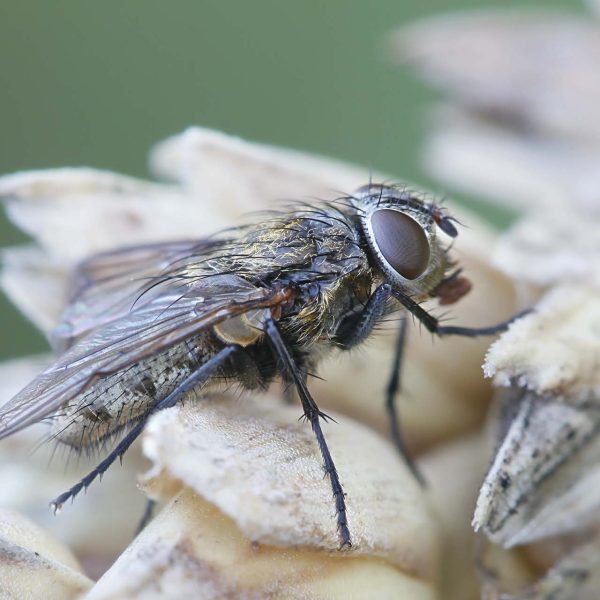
{"x":401,"y":241}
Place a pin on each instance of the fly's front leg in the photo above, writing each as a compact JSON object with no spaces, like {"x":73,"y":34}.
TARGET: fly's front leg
{"x":433,"y":325}
{"x":312,"y":414}
{"x":363,"y":326}
{"x":198,"y":377}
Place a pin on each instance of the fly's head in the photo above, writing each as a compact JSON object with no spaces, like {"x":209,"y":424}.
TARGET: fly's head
{"x":401,"y":232}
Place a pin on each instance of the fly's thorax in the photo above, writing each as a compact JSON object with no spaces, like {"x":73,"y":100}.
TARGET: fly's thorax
{"x":314,"y":326}
{"x":400,"y":232}
{"x":277,"y":243}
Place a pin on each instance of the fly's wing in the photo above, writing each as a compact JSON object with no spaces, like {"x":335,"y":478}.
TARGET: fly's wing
{"x":150,"y":328}
{"x":106,"y":286}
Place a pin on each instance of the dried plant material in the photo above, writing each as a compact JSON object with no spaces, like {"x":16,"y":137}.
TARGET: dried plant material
{"x":105,"y":210}
{"x":453,"y":472}
{"x":32,"y":472}
{"x":556,"y":184}
{"x":576,"y":575}
{"x":500,"y":61}
{"x":35,"y":283}
{"x":594,"y":5}
{"x":553,"y":248}
{"x":553,"y":351}
{"x":97,"y":527}
{"x":545,"y":477}
{"x":263,"y":527}
{"x":191,"y":549}
{"x":237,"y":175}
{"x":532,"y":174}
{"x":261,"y":466}
{"x":483,"y":570}
{"x":34,"y":565}
{"x":525,"y":133}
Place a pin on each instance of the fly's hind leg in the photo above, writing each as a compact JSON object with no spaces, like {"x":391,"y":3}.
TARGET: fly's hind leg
{"x":196,"y":379}
{"x":313,"y":415}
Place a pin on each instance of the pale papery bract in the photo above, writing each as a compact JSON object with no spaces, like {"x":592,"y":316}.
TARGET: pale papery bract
{"x":246,"y":514}
{"x":523,"y":132}
{"x":34,"y":565}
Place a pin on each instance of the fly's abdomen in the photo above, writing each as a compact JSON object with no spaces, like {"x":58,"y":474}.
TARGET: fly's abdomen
{"x":122,"y":398}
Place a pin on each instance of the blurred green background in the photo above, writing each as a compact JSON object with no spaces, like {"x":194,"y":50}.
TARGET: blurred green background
{"x":97,"y":83}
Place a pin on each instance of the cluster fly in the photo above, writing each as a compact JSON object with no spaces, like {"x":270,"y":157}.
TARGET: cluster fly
{"x":147,"y":324}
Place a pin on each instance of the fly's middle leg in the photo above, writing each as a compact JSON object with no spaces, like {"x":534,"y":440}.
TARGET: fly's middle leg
{"x":313,"y":415}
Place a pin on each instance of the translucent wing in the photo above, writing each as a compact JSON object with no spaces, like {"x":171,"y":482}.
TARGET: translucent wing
{"x":151,"y":327}
{"x":105,"y":286}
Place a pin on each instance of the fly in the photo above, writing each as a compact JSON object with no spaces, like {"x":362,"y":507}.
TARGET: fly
{"x":146,"y":325}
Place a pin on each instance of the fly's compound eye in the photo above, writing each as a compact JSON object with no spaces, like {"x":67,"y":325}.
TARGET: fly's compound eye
{"x":401,"y":241}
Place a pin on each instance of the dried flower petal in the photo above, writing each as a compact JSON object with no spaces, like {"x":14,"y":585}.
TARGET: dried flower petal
{"x":553,"y":351}
{"x":576,"y":575}
{"x":105,"y":210}
{"x":532,"y":67}
{"x":191,"y":549}
{"x":237,"y":174}
{"x":261,"y":466}
{"x":553,"y":248}
{"x":35,"y":282}
{"x":544,"y":479}
{"x":34,"y":565}
{"x":257,"y":518}
{"x":530,"y":173}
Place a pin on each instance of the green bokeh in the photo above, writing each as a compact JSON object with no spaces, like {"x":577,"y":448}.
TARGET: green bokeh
{"x":97,"y":83}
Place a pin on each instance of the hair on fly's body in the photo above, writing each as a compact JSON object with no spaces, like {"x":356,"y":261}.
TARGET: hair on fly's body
{"x":147,"y":325}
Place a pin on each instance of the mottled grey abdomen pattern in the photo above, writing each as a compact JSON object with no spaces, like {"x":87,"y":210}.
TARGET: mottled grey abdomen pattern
{"x":123,"y":397}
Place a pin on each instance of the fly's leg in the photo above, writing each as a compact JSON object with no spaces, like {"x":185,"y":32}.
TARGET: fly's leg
{"x":391,"y":394}
{"x":373,"y":311}
{"x":368,"y":318}
{"x":196,"y":379}
{"x":433,"y":325}
{"x":146,"y":516}
{"x":312,"y":414}
{"x":349,"y":337}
